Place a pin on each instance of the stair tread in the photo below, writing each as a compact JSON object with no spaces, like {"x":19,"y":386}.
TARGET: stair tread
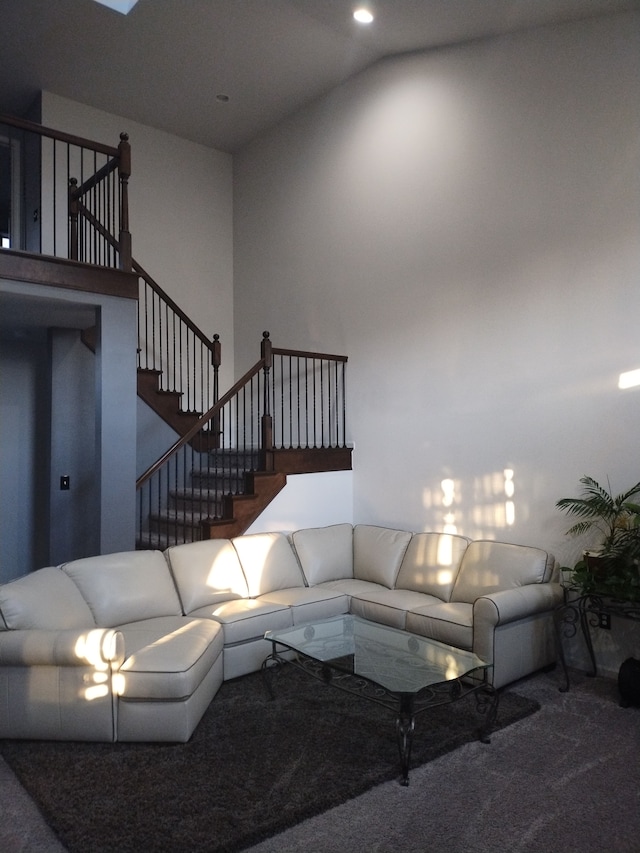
{"x":189,"y":517}
{"x":205,"y":496}
{"x":161,"y":541}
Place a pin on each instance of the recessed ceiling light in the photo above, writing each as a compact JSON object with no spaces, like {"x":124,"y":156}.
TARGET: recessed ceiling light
{"x":363,"y":16}
{"x":122,"y":6}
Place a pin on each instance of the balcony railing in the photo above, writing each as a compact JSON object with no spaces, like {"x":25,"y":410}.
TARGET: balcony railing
{"x":68,"y":195}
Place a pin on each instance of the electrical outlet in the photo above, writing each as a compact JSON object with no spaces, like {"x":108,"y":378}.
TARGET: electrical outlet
{"x":604,"y":621}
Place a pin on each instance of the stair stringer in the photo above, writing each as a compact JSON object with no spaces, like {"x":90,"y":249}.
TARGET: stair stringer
{"x":242,"y":510}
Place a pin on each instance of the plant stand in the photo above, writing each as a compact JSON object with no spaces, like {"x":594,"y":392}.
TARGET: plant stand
{"x":585,"y":612}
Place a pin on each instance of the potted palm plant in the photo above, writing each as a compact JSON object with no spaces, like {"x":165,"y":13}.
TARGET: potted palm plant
{"x":614,"y":569}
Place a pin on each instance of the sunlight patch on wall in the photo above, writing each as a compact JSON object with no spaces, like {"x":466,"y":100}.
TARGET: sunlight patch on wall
{"x":477,"y":510}
{"x":629,"y":379}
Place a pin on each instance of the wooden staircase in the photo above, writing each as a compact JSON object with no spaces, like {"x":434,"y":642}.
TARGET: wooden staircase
{"x":228,"y":464}
{"x":166,"y":404}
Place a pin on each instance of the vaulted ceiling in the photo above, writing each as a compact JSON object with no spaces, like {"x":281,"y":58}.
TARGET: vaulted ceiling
{"x":220,"y":71}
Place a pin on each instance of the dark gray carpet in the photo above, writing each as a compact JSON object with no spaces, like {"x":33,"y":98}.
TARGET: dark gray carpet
{"x":564,"y":780}
{"x":252,"y":768}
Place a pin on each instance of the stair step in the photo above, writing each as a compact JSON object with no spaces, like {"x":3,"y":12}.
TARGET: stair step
{"x":177,"y":522}
{"x":148,"y":541}
{"x":211,"y":479}
{"x":247,"y":459}
{"x":189,"y":500}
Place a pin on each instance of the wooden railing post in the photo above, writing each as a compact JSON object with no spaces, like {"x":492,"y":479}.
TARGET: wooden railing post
{"x":73,"y":220}
{"x":216,"y":360}
{"x":267,"y":421}
{"x":124,"y":172}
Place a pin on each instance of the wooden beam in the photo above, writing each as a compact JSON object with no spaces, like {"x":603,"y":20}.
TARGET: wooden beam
{"x":72,"y":275}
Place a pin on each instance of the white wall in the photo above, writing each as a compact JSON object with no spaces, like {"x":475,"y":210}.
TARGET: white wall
{"x":309,"y":500}
{"x":464,"y":224}
{"x":180,"y":196}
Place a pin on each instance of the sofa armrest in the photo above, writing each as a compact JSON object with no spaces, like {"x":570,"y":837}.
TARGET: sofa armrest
{"x":508,"y":605}
{"x":96,"y":647}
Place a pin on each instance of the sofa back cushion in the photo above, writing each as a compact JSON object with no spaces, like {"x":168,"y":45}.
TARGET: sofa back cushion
{"x":126,"y":586}
{"x":268,"y":562}
{"x":45,"y":599}
{"x":378,"y":553}
{"x":487,"y":567}
{"x":325,"y":553}
{"x":206,"y":572}
{"x":431,"y":563}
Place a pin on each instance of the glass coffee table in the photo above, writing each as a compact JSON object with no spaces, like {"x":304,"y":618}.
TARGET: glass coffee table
{"x":404,"y":672}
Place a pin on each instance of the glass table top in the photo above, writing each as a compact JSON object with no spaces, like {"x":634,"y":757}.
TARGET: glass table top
{"x":397,"y":660}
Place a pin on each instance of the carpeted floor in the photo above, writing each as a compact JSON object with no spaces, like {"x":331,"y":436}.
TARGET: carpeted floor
{"x":564,"y":780}
{"x":253,"y":768}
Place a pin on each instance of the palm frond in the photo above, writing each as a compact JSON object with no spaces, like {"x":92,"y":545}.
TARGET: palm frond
{"x":586,"y":507}
{"x":593,"y":488}
{"x":580,"y":528}
{"x":632,"y":492}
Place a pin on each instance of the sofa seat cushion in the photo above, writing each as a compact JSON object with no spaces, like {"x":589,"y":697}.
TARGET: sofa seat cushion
{"x":325,"y":553}
{"x":310,"y":603}
{"x":353,"y":586}
{"x":248,"y":618}
{"x":46,"y":599}
{"x":390,"y":606}
{"x":125,"y":587}
{"x":167,"y":657}
{"x":206,"y":572}
{"x":449,"y":622}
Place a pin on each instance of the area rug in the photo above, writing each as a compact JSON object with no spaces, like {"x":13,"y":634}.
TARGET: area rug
{"x":252,"y":768}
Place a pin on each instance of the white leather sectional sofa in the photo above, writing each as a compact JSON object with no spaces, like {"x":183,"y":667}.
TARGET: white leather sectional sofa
{"x":134,"y":646}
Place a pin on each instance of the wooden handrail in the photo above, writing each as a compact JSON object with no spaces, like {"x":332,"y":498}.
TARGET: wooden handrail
{"x":94,"y":180}
{"x":296,"y":353}
{"x":60,"y":135}
{"x":139,"y":269}
{"x":173,"y":305}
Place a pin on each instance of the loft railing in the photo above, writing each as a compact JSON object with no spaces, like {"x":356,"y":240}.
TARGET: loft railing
{"x":69,"y":199}
{"x":289,"y":400}
{"x":69,"y":195}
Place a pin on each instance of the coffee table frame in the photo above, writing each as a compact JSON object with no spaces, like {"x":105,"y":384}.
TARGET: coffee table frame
{"x":406,"y":704}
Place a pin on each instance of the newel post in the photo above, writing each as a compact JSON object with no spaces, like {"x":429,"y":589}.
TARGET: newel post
{"x":124,"y":172}
{"x":216,"y":361}
{"x":267,"y":422}
{"x":73,"y":219}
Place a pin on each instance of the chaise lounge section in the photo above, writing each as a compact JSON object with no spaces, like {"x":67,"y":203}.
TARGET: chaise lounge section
{"x":134,"y":646}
